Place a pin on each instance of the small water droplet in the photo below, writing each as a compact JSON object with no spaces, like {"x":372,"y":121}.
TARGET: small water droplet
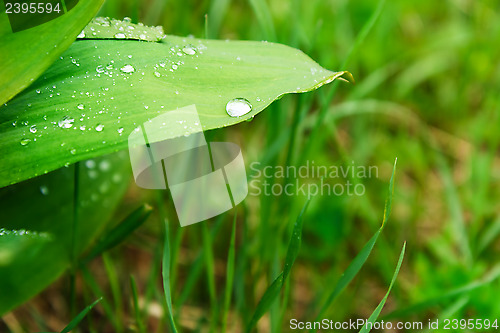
{"x":120,"y":35}
{"x":81,"y":34}
{"x":99,"y":127}
{"x":120,"y":130}
{"x":189,"y":50}
{"x":25,"y":141}
{"x":127,"y":19}
{"x":127,"y":69}
{"x":238,"y":107}
{"x":73,"y":151}
{"x":80,"y":106}
{"x":157,"y":74}
{"x":38,"y":91}
{"x":33,"y":129}
{"x":100,"y":69}
{"x":66,"y":122}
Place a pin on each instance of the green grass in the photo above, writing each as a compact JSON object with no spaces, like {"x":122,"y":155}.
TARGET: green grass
{"x":426,"y":93}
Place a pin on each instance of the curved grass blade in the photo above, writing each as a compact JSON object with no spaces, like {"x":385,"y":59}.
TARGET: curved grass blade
{"x":79,"y":317}
{"x":358,"y":262}
{"x":274,"y":289}
{"x":373,"y":317}
{"x":229,"y":276}
{"x":120,"y":232}
{"x":101,"y":90}
{"x":493,"y":275}
{"x":166,"y":277}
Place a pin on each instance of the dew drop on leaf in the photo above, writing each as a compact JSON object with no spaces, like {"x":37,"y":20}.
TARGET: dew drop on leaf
{"x":66,"y":122}
{"x":25,"y":141}
{"x":33,"y":129}
{"x":238,"y":107}
{"x":99,"y":127}
{"x":189,"y":50}
{"x":127,"y":69}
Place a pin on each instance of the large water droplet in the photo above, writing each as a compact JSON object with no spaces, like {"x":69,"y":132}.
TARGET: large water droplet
{"x":189,"y":50}
{"x":238,"y":107}
{"x":25,"y":141}
{"x":66,"y":122}
{"x":127,"y":69}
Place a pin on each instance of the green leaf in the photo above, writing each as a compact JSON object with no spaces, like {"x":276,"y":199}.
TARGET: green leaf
{"x":109,"y":28}
{"x":101,"y":90}
{"x":79,"y":317}
{"x":373,"y":317}
{"x":26,"y":54}
{"x":274,"y":289}
{"x":45,"y":205}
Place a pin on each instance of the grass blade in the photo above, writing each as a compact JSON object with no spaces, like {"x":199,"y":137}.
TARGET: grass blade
{"x":421,"y":306}
{"x":274,"y":289}
{"x":79,"y":317}
{"x":120,"y":232}
{"x":166,"y":277}
{"x":378,"y":309}
{"x":137,"y":311}
{"x":358,"y":262}
{"x":265,"y":19}
{"x":229,"y":276}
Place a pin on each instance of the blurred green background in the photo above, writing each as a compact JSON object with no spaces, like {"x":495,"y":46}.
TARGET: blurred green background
{"x":427,"y":80}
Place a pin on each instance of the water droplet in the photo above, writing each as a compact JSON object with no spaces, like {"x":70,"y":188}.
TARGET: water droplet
{"x":80,"y":106}
{"x":38,"y":91}
{"x":73,"y":151}
{"x":127,"y":19}
{"x":44,"y":190}
{"x":157,"y":74}
{"x":120,"y":130}
{"x":127,"y":69}
{"x":174,"y":66}
{"x":189,"y":50}
{"x":100,"y":69}
{"x":120,"y":35}
{"x":238,"y":107}
{"x":33,"y":129}
{"x":81,"y":34}
{"x":66,"y":122}
{"x":25,"y":141}
{"x":99,"y":127}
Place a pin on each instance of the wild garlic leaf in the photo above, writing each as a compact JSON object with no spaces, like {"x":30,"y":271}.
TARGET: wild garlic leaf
{"x":89,"y":101}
